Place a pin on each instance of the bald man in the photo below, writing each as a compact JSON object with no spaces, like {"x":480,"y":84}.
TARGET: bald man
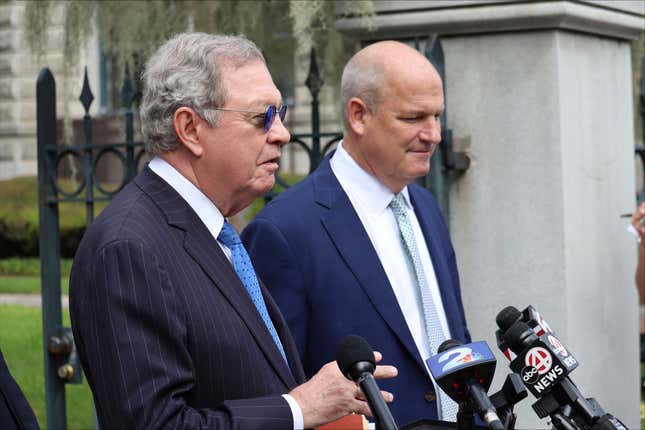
{"x":356,"y":247}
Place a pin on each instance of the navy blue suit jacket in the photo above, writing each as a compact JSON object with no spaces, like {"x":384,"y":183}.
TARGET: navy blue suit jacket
{"x":15,"y":412}
{"x":166,"y":332}
{"x":313,"y":254}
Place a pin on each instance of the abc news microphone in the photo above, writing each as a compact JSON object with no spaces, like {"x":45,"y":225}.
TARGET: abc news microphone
{"x":464,"y":373}
{"x":355,"y":359}
{"x":544,"y":365}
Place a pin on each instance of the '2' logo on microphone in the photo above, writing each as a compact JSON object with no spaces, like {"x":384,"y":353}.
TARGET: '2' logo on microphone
{"x":459,"y":357}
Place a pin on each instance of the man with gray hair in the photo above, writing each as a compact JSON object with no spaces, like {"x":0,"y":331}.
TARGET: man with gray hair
{"x":172,"y":326}
{"x":369,"y":251}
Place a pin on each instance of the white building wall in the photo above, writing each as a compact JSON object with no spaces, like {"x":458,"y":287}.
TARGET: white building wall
{"x":18,"y":72}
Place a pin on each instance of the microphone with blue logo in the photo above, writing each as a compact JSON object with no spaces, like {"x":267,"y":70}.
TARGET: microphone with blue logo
{"x":464,"y":373}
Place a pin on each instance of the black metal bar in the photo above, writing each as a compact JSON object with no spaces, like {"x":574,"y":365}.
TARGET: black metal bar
{"x":49,"y":248}
{"x":316,"y":151}
{"x":445,"y":160}
{"x":127,"y":95}
{"x":640,"y":149}
{"x":435,"y":181}
{"x":86,"y":99}
{"x":314,"y":82}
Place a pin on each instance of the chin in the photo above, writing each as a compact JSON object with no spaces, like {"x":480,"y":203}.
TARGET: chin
{"x":419,"y":171}
{"x":266,"y":186}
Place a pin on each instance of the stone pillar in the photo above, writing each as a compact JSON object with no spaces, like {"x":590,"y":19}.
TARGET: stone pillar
{"x":540,"y":95}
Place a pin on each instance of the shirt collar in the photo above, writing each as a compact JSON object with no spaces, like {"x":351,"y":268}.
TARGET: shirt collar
{"x":202,"y":205}
{"x":362,"y":186}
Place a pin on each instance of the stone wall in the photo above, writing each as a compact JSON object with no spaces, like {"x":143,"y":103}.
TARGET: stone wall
{"x":18,"y":72}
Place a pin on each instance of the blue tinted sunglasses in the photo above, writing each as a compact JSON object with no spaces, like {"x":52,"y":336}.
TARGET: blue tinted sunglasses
{"x":269,"y":114}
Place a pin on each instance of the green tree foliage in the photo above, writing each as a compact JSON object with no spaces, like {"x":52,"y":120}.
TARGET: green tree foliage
{"x":131,"y":30}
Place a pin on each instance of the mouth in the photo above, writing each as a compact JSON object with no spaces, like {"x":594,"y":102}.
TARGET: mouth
{"x":421,"y":152}
{"x":272,"y":162}
{"x":424,"y":150}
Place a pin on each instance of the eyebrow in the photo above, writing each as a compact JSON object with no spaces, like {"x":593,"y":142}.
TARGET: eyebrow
{"x":416,"y":112}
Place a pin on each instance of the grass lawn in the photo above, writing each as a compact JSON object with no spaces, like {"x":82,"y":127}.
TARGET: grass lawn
{"x":13,"y":284}
{"x":21,"y":344}
{"x":22,"y":275}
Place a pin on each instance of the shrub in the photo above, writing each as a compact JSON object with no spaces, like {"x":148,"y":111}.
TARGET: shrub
{"x":19,"y":220}
{"x":19,"y":217}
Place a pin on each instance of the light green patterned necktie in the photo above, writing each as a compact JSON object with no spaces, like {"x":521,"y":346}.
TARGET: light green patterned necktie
{"x":433,"y":325}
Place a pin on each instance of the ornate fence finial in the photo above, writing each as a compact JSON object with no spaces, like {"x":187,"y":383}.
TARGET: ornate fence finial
{"x":314,"y":82}
{"x":86,"y":96}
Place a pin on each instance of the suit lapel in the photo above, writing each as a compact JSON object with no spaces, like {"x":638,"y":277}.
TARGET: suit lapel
{"x":429,"y":225}
{"x":352,"y":242}
{"x":203,"y":248}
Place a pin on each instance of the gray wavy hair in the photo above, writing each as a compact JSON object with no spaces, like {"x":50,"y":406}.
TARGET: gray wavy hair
{"x":186,"y":71}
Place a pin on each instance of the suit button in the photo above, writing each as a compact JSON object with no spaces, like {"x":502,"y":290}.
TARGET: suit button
{"x":430,"y":396}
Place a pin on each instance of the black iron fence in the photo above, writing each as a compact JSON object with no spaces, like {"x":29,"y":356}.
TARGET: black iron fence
{"x":80,"y":164}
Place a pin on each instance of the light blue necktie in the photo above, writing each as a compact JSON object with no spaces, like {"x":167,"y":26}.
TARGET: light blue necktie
{"x":244,"y":269}
{"x":433,"y":326}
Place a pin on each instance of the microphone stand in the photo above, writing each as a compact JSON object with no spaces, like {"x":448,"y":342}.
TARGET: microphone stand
{"x":464,"y":417}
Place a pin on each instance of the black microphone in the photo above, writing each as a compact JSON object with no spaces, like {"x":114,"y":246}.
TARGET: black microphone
{"x":355,"y":359}
{"x":464,"y":373}
{"x":544,"y":365}
{"x":509,"y":315}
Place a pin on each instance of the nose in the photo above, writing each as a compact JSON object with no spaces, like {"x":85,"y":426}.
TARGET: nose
{"x":278,"y":133}
{"x":431,"y":132}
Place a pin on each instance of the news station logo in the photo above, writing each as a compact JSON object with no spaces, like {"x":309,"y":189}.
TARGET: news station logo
{"x":541,"y":372}
{"x":463,"y":356}
{"x":557,"y":346}
{"x":529,"y":375}
{"x":539,"y":358}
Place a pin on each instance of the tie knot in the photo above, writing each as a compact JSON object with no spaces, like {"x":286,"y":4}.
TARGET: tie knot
{"x":228,"y":236}
{"x":398,"y":203}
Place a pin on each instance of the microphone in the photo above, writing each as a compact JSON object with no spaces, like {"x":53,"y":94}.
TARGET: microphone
{"x":464,"y":373}
{"x":509,"y":315}
{"x":355,"y":359}
{"x":544,"y":365}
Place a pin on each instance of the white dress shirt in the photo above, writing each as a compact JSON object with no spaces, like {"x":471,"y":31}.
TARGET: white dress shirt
{"x":370,"y":200}
{"x":214,"y":221}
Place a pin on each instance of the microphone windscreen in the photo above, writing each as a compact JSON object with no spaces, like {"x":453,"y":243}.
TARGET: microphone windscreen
{"x":518,"y":335}
{"x":447,"y":344}
{"x":507,"y":317}
{"x":351,"y":350}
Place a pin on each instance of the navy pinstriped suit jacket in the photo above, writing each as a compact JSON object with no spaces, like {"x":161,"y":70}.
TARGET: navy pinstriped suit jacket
{"x":167,"y":335}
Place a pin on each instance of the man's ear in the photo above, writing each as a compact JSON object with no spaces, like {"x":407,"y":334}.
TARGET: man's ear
{"x":187,"y":124}
{"x":357,"y":115}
